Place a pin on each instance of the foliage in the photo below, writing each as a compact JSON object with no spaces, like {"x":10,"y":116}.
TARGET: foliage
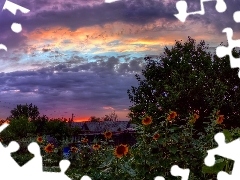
{"x":94,"y":119}
{"x":19,"y":128}
{"x":158,"y":147}
{"x":58,"y":128}
{"x":28,"y":111}
{"x":40,"y":124}
{"x":187,"y":79}
{"x":111,"y":117}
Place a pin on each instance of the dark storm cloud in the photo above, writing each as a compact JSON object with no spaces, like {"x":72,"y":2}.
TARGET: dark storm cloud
{"x":138,"y":11}
{"x":74,"y":15}
{"x":211,"y":16}
{"x":87,"y":84}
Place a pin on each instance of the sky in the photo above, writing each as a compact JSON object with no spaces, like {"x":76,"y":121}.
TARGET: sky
{"x":81,"y":56}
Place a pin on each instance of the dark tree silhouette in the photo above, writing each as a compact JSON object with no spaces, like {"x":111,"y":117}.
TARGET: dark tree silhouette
{"x":28,"y":111}
{"x":94,"y":119}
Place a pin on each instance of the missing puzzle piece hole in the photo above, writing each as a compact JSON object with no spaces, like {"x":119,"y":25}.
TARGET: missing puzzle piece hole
{"x":159,"y":178}
{"x":221,"y":51}
{"x":86,"y":178}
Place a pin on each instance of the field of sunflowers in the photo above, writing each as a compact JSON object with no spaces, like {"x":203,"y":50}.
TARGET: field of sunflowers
{"x":158,"y":148}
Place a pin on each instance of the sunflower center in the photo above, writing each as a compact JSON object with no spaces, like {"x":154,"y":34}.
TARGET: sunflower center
{"x":120,"y":150}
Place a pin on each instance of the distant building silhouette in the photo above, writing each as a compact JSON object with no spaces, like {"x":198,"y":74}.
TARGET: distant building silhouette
{"x":123,"y":131}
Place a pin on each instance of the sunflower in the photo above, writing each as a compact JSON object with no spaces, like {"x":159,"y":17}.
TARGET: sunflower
{"x":49,"y":148}
{"x":220,"y":119}
{"x":74,"y":149}
{"x":121,"y":151}
{"x":156,"y":136}
{"x":96,"y":146}
{"x":39,"y":139}
{"x":171,"y":115}
{"x":84,"y":140}
{"x":108,"y":134}
{"x":147,"y":120}
{"x":194,"y":118}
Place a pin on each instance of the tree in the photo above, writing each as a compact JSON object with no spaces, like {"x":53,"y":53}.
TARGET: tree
{"x":19,"y":128}
{"x":58,"y":128}
{"x":111,"y":117}
{"x":28,"y":111}
{"x":94,"y":119}
{"x":40,"y":124}
{"x":187,"y":78}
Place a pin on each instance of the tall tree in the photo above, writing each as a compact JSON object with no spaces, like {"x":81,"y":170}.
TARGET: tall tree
{"x":184,"y":79}
{"x":19,"y":128}
{"x":28,"y":111}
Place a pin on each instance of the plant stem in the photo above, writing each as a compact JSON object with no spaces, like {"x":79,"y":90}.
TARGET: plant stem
{"x":165,"y":145}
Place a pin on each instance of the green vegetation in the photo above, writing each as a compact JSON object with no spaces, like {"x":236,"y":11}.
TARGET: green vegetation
{"x":187,"y":79}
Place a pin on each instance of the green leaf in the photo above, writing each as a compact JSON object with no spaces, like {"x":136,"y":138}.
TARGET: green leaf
{"x":228,"y":135}
{"x":173,"y":149}
{"x":219,"y":165}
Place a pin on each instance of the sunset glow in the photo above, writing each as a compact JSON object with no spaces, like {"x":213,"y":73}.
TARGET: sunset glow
{"x":81,"y":57}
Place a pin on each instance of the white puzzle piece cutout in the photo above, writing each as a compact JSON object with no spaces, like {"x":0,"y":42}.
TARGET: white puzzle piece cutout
{"x":236,"y":16}
{"x":176,"y":171}
{"x":12,"y":7}
{"x":228,"y":150}
{"x":110,"y":1}
{"x":33,"y":169}
{"x":15,"y":27}
{"x":222,"y":51}
{"x":182,"y":8}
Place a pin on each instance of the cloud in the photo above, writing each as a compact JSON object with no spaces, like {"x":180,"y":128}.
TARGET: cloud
{"x":75,"y":15}
{"x":89,"y":86}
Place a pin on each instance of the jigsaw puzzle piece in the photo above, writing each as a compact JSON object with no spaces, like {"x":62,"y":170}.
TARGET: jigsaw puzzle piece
{"x":222,"y":149}
{"x":223,"y":176}
{"x":4,"y":125}
{"x":159,"y":178}
{"x":181,"y":6}
{"x":221,"y":6}
{"x":12,"y":7}
{"x":236,"y":16}
{"x":35,"y":164}
{"x":110,"y":1}
{"x":11,"y":166}
{"x":177,"y":171}
{"x":222,"y":50}
{"x":228,"y":150}
{"x":86,"y":178}
{"x":2,"y":46}
{"x":64,"y":165}
{"x":182,"y":10}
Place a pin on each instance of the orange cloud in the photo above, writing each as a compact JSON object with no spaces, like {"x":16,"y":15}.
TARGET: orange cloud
{"x":120,"y":37}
